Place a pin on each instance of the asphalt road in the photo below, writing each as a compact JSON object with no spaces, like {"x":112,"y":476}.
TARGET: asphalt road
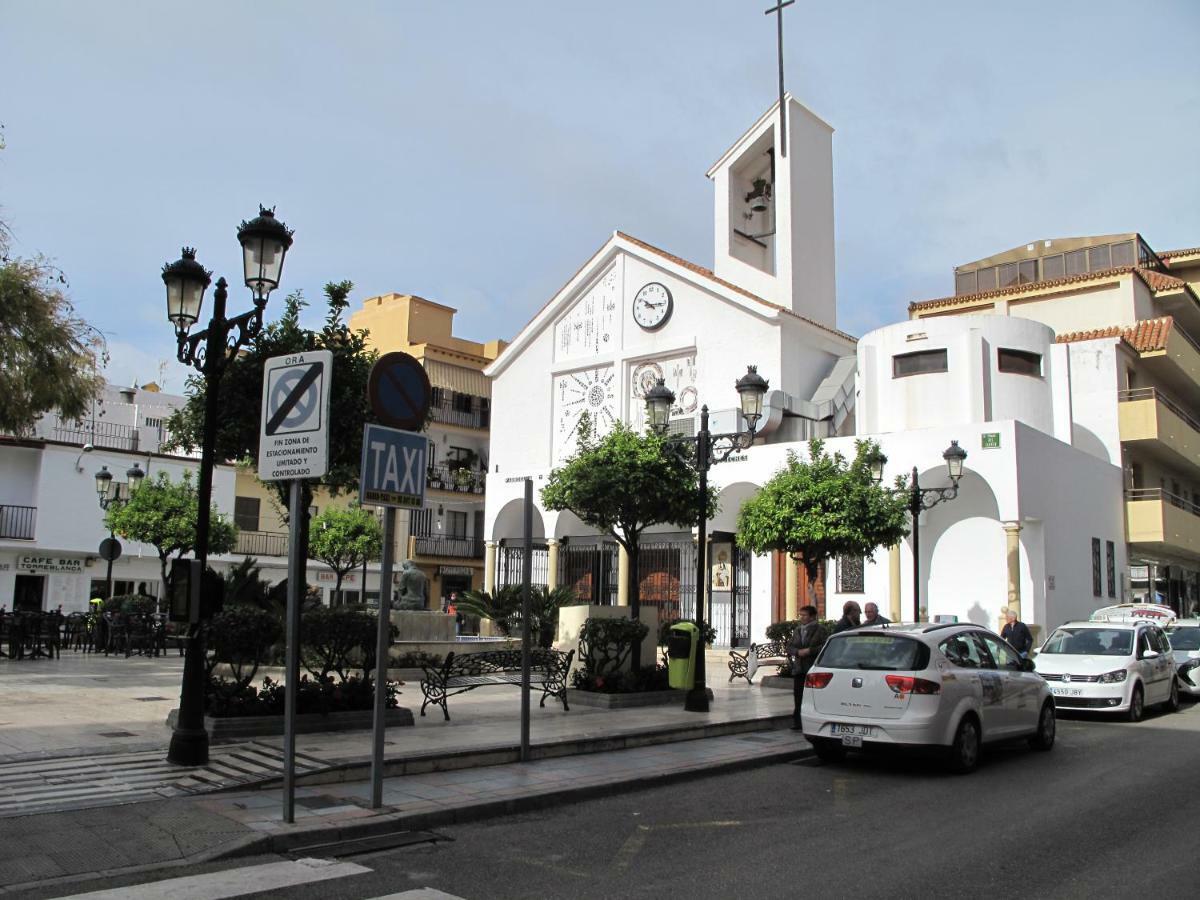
{"x":1110,"y":812}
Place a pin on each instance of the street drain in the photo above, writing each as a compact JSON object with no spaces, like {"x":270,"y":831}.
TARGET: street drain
{"x":148,"y":699}
{"x":116,"y":734}
{"x":374,"y":844}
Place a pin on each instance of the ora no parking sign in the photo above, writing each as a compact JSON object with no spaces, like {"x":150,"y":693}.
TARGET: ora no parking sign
{"x":294,"y":441}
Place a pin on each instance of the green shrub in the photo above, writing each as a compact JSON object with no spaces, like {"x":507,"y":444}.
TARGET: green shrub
{"x":136,"y":605}
{"x":605,"y":644}
{"x":321,"y":695}
{"x":337,"y":640}
{"x":240,"y":637}
{"x":782,"y":631}
{"x":648,"y":678}
{"x":415,"y":659}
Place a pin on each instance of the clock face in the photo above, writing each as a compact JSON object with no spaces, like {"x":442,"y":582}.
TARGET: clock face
{"x":652,"y":306}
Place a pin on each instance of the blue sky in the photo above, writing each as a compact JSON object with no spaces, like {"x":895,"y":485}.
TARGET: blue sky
{"x":477,"y":153}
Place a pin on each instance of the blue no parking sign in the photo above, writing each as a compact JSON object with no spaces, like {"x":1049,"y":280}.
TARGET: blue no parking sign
{"x":393,"y":468}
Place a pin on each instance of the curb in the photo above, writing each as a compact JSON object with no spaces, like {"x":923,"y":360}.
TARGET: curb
{"x":302,"y":839}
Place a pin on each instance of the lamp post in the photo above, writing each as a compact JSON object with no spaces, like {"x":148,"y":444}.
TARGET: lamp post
{"x":709,"y":448}
{"x":921,"y":499}
{"x":265,"y":241}
{"x":116,"y":493}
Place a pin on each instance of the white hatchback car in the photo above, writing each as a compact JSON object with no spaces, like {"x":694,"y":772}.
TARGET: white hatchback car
{"x":954,"y":687}
{"x":1184,"y":635}
{"x":1117,"y":666}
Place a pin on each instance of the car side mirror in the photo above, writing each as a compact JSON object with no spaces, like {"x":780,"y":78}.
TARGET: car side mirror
{"x":1027,"y":665}
{"x":1150,"y":654}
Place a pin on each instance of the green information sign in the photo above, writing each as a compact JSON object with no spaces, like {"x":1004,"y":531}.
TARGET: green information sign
{"x":991,"y":440}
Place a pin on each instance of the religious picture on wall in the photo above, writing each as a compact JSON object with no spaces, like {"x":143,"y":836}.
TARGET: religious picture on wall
{"x":590,"y":327}
{"x":588,"y":391}
{"x":722,"y":572}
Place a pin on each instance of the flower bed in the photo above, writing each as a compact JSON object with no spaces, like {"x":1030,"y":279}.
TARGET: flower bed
{"x":322,"y":696}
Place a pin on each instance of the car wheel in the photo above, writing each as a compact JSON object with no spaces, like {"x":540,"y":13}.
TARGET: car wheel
{"x":828,"y":750}
{"x":1043,"y":739}
{"x":1172,"y":704}
{"x":1137,"y":705}
{"x":964,"y":752}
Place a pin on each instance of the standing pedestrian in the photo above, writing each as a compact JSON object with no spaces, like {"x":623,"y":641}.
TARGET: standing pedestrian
{"x":1017,"y":633}
{"x":871,"y":616}
{"x":851,"y":617}
{"x":807,"y":641}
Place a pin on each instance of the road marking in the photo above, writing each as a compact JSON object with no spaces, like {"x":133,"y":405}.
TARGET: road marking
{"x":633,"y":844}
{"x":420,"y":894}
{"x":232,"y":882}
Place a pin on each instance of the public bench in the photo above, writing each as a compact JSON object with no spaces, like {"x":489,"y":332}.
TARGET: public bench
{"x":461,"y":672}
{"x":744,"y":665}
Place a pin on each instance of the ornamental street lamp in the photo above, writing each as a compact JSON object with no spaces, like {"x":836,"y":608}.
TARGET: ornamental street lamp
{"x":116,"y":493}
{"x":265,"y":241}
{"x":921,"y":499}
{"x":708,"y":448}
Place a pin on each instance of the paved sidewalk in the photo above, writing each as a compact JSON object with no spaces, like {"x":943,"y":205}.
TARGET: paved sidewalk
{"x":39,"y":853}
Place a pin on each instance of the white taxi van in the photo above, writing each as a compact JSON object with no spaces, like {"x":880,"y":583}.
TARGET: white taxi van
{"x":1119,"y":661}
{"x":949,"y":686}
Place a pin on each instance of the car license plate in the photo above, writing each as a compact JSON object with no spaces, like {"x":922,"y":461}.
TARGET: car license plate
{"x":851,"y":740}
{"x":1066,"y":691}
{"x":843,"y":729}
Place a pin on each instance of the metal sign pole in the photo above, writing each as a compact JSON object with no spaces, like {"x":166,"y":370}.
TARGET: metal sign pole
{"x":383,"y":641}
{"x":526,"y":580}
{"x":296,"y":584}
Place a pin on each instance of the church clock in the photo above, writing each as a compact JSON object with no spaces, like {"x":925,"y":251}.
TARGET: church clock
{"x":652,"y":306}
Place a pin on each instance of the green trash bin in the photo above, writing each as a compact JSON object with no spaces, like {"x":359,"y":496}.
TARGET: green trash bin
{"x":682,"y":641}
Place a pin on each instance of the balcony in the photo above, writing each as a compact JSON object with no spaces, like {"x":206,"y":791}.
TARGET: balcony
{"x":1150,"y":421}
{"x":452,"y":547}
{"x":108,"y":435}
{"x":442,"y":477}
{"x":460,"y":409}
{"x":262,"y":543}
{"x":1162,"y":524}
{"x":17,"y":522}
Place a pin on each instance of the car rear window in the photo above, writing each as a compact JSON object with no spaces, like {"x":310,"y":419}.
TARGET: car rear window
{"x":1091,"y":642}
{"x":1186,"y":637}
{"x":874,"y":651}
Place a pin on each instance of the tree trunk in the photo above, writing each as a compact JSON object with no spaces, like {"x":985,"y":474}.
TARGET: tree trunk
{"x":635,"y":601}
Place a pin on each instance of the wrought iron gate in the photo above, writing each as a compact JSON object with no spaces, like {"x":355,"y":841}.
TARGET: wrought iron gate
{"x":510,"y":563}
{"x":590,"y":570}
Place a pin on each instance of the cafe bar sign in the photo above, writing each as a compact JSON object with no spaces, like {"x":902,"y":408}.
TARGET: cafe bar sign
{"x":64,"y":564}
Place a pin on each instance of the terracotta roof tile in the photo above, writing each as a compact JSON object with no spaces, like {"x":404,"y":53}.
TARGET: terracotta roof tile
{"x":1156,"y":281}
{"x":1186,"y":251}
{"x":1143,"y":336}
{"x":708,"y":273}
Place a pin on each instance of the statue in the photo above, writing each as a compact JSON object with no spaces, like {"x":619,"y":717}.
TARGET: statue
{"x":413,"y":590}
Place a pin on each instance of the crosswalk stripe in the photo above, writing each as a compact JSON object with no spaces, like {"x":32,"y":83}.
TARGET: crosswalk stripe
{"x":232,"y":882}
{"x":420,"y":894}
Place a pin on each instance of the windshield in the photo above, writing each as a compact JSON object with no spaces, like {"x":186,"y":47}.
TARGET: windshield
{"x":1090,"y":642}
{"x":874,"y":651}
{"x":1186,"y":637}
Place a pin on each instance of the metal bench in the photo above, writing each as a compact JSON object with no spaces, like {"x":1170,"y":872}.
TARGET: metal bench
{"x":744,"y":665}
{"x":461,"y":672}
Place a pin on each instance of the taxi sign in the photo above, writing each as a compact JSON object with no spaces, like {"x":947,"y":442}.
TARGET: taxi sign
{"x":1134,"y":612}
{"x":393,"y":467}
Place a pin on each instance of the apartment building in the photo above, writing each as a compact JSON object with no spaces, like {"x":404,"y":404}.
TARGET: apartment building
{"x":1130,"y":319}
{"x":445,"y":538}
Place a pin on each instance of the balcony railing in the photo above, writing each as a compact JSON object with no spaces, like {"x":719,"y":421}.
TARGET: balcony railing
{"x":262,"y":543}
{"x":1149,"y":393}
{"x":458,"y":548}
{"x":447,"y":412}
{"x":465,"y":481}
{"x":1175,"y":500}
{"x":99,"y":434}
{"x":17,"y":522}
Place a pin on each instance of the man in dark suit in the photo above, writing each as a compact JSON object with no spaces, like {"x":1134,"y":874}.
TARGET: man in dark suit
{"x":1017,"y":633}
{"x":807,"y":641}
{"x":851,"y":617}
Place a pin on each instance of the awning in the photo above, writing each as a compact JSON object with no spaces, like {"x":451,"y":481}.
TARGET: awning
{"x":458,"y":378}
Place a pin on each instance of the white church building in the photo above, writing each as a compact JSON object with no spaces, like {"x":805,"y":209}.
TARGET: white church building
{"x":1030,"y":509}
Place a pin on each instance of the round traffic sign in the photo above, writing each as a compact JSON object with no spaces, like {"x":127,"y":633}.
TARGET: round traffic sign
{"x":110,"y":549}
{"x":399,"y":391}
{"x":304,"y":405}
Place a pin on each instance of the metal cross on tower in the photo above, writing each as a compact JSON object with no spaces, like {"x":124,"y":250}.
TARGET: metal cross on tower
{"x":778,"y":10}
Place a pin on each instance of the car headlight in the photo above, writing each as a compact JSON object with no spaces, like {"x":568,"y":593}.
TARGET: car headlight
{"x":1113,"y":677}
{"x":1189,"y":665}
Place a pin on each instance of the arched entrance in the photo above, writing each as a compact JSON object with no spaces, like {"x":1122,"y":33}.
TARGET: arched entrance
{"x":509,"y":533}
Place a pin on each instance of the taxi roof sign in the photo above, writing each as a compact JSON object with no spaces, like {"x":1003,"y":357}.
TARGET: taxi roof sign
{"x":1134,"y":612}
